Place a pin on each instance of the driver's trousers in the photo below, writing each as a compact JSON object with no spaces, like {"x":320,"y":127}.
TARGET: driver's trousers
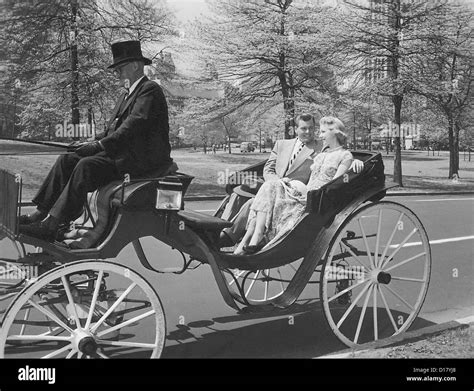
{"x":65,"y":189}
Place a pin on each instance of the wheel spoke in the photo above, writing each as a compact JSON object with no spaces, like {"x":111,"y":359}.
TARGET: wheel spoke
{"x":399,"y":297}
{"x":386,"y":261}
{"x":347,"y":290}
{"x":236,"y":276}
{"x":408,"y":279}
{"x":405,"y":262}
{"x":27,"y":315}
{"x":58,"y":352}
{"x":377,"y":242}
{"x":346,"y":314}
{"x":375,"y":309}
{"x":125,"y":324}
{"x":281,"y":280}
{"x":362,"y":314}
{"x":102,"y":355}
{"x":266,"y":286}
{"x":71,"y":301}
{"x":51,"y":316}
{"x":388,"y":311}
{"x":252,"y":284}
{"x":294,"y":268}
{"x":391,"y":237}
{"x":71,"y":354}
{"x":127,"y":344}
{"x":94,"y":299}
{"x":366,"y":243}
{"x":355,"y":256}
{"x":39,"y":337}
{"x":113,"y":307}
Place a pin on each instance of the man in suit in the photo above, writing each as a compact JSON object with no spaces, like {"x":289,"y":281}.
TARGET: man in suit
{"x":135,"y":142}
{"x":289,"y":160}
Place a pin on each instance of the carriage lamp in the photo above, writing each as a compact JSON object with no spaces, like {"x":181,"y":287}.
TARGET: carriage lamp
{"x":169,"y":196}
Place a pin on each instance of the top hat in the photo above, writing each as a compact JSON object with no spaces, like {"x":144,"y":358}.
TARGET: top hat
{"x":127,"y":51}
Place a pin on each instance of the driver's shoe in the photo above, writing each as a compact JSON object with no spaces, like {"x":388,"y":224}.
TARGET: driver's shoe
{"x":35,"y":217}
{"x":46,"y":229}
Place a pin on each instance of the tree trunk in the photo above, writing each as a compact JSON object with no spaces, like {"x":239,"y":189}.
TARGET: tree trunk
{"x":288,"y":106}
{"x":354,"y":141}
{"x":453,"y":134}
{"x":397,"y":164}
{"x":75,"y":115}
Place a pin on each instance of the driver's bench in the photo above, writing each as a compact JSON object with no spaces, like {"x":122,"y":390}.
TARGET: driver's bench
{"x":138,"y":194}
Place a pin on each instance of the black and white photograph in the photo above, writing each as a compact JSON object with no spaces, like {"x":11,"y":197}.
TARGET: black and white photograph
{"x":275,"y":189}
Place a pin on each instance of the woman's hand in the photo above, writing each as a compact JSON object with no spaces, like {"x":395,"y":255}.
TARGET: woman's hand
{"x":357,"y":166}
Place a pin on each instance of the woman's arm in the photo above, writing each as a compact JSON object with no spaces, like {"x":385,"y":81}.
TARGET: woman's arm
{"x":345,"y":164}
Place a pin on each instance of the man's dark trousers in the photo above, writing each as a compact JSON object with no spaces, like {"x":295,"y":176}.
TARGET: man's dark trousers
{"x":65,"y":189}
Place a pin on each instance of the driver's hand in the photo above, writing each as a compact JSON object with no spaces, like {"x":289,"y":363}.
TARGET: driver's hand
{"x":75,"y":145}
{"x":357,"y":166}
{"x":89,"y":149}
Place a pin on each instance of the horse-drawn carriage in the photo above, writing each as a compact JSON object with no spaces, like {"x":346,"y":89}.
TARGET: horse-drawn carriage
{"x":371,"y":259}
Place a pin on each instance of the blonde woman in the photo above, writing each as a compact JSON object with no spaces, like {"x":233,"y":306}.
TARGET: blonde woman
{"x":280,"y":203}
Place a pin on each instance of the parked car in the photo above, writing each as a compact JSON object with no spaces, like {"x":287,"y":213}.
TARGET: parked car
{"x":246,"y":147}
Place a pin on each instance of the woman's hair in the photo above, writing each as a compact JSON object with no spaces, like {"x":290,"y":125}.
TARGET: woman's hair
{"x":340,"y":135}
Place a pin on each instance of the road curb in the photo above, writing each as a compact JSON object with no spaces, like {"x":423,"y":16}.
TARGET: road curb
{"x":389,"y":194}
{"x":403,"y":338}
{"x":425,"y":193}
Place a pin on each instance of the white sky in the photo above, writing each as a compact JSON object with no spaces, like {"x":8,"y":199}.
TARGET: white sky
{"x":188,"y":9}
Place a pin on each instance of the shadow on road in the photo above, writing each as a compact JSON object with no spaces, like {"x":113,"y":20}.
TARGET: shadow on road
{"x":301,"y":332}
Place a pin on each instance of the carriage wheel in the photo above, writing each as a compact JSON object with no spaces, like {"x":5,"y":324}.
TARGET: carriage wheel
{"x":262,"y":286}
{"x":376,"y":274}
{"x":86,"y":309}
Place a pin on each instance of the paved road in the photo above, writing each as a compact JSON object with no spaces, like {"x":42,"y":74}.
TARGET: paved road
{"x":201,"y":325}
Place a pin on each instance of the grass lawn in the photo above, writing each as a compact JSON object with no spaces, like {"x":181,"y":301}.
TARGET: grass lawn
{"x":458,"y":343}
{"x":419,"y":170}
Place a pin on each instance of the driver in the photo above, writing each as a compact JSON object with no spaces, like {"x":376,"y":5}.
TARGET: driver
{"x":135,"y":143}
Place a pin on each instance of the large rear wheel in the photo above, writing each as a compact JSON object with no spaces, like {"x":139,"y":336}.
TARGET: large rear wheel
{"x":376,"y":273}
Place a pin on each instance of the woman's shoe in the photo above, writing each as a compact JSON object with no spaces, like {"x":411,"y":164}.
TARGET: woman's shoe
{"x":254,"y":248}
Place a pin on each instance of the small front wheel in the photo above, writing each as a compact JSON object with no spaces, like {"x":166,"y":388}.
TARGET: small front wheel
{"x":86,"y":309}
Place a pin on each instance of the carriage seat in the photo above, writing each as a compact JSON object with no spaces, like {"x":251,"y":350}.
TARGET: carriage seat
{"x":140,"y":194}
{"x":197,"y":220}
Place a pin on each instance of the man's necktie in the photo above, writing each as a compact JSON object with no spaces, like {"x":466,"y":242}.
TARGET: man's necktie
{"x":124,"y":102}
{"x":295,"y":154}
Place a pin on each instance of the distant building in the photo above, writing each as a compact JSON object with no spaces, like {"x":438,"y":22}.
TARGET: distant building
{"x":178,"y":88}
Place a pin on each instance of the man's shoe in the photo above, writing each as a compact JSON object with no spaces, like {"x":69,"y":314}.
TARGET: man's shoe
{"x":32,"y":218}
{"x":40,"y":230}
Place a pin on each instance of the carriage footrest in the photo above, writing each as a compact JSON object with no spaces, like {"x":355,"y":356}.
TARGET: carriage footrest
{"x":203,"y":221}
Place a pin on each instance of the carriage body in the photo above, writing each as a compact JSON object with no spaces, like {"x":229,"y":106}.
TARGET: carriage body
{"x":134,"y":214}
